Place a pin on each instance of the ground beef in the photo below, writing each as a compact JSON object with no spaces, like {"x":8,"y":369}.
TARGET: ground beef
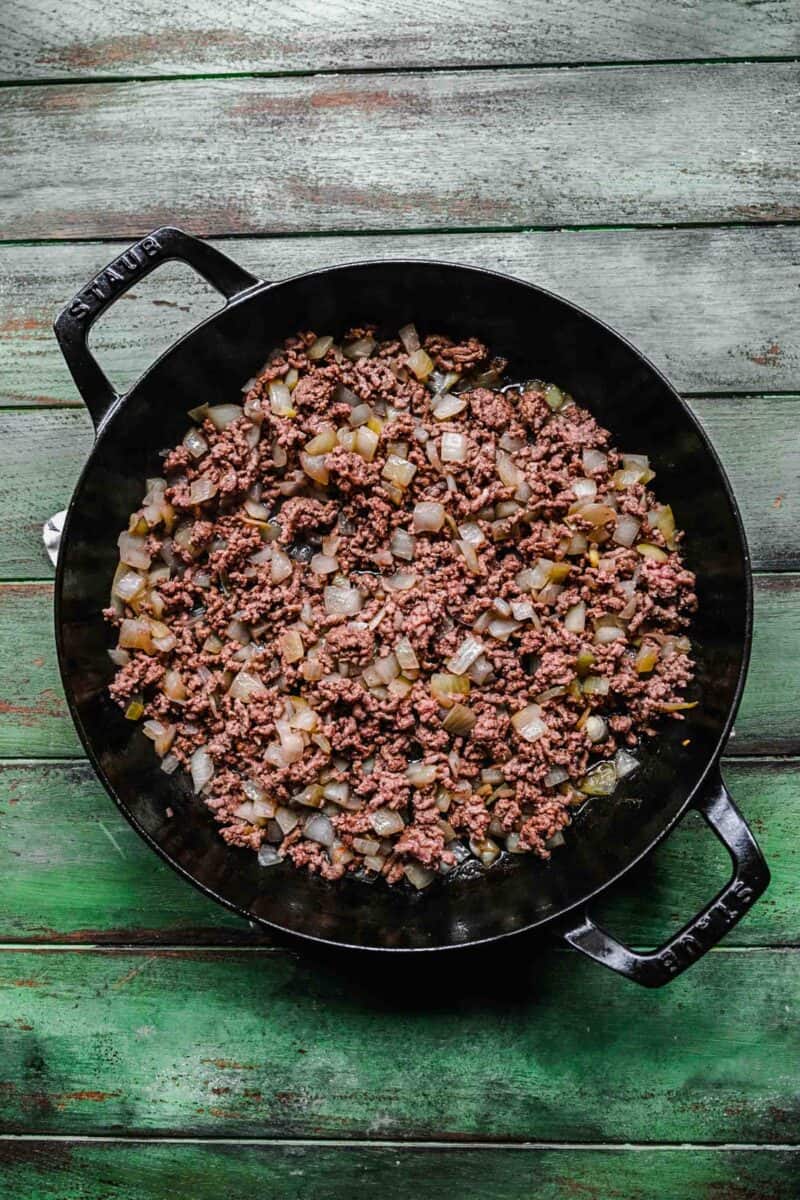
{"x":368,"y":681}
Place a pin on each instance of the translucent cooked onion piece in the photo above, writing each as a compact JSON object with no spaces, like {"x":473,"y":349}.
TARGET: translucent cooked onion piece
{"x":385,"y":822}
{"x":319,"y":348}
{"x":447,"y":408}
{"x":246,"y":686}
{"x":399,"y":471}
{"x":419,"y":876}
{"x":428,"y":517}
{"x":454,"y":447}
{"x":223,"y":415}
{"x":344,"y":601}
{"x":402,"y":545}
{"x":201,"y":768}
{"x":625,"y":764}
{"x":466,"y":654}
{"x":528,"y":723}
{"x":409,"y":337}
{"x":600,"y":781}
{"x":361,"y":348}
{"x":459,"y":720}
{"x":132,"y":551}
{"x":421,"y":364}
{"x":136,"y":635}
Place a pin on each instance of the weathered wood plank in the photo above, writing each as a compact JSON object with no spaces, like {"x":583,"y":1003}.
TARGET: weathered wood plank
{"x":758,"y":439}
{"x":75,"y":871}
{"x":44,"y":41}
{"x":123,"y":1170}
{"x":630,"y":145}
{"x":498,"y":1044}
{"x":679,"y":294}
{"x":34,"y":721}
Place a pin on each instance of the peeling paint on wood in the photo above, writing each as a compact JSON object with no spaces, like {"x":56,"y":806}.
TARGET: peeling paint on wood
{"x":492,"y":1045}
{"x":114,"y":39}
{"x":668,"y":145}
{"x":67,"y":884}
{"x":676,"y":293}
{"x":107,"y":1170}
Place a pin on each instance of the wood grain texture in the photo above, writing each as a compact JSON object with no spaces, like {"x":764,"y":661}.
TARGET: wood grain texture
{"x":530,"y":1047}
{"x":628,"y":145}
{"x":108,"y":1170}
{"x":714,"y":308}
{"x":48,"y":41}
{"x":34,"y":721}
{"x":75,"y":871}
{"x":758,"y":439}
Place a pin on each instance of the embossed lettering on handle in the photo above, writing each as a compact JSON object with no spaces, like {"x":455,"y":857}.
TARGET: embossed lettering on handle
{"x":750,"y":878}
{"x":116,"y":277}
{"x":74,"y":322}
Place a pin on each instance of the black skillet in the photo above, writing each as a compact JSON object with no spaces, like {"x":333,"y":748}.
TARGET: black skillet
{"x":544,"y":337}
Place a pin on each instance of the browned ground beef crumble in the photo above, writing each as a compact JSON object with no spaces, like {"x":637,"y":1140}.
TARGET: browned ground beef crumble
{"x":533,"y":626}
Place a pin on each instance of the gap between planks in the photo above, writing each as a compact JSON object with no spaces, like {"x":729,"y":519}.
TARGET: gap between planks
{"x":377,"y":1144}
{"x":414,"y":230}
{"x":444,"y":68}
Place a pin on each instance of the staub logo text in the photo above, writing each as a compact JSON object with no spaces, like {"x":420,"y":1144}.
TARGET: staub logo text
{"x":117,"y":274}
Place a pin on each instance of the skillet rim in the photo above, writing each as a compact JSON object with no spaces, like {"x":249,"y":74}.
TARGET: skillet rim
{"x":713,"y":759}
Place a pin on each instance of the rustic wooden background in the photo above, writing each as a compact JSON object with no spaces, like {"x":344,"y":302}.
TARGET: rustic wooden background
{"x":640,"y":158}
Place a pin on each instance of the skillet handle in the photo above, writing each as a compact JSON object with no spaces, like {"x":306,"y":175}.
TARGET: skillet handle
{"x":74,"y":322}
{"x":750,"y":878}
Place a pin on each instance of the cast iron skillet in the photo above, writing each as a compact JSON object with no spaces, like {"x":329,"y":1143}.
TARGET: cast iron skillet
{"x":542,"y":336}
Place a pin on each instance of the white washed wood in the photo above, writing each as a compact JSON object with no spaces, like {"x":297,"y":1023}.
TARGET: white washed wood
{"x":46,"y":40}
{"x":627,"y":145}
{"x":714,"y":308}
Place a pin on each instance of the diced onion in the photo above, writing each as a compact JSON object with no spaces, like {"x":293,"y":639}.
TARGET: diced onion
{"x":280,"y":566}
{"x":472,"y":533}
{"x":291,"y":644}
{"x":323,"y":442}
{"x":366,"y":443}
{"x":596,"y":728}
{"x":361,"y":348}
{"x":201,"y":767}
{"x":202,"y":489}
{"x":600,"y":781}
{"x":129,"y":585}
{"x":399,"y":471}
{"x":460,"y":662}
{"x":223,"y":415}
{"x":448,"y":689}
{"x":280,"y":399}
{"x":454,"y":447}
{"x":268,"y":856}
{"x":421,"y":364}
{"x":421,"y":774}
{"x":417,"y":875}
{"x":648,"y":550}
{"x":195,"y":443}
{"x":135,"y":635}
{"x":405,"y":655}
{"x":575,"y":619}
{"x":625,"y":764}
{"x":450,"y":406}
{"x":594,"y":460}
{"x":555,"y":776}
{"x":626,"y":531}
{"x":385,"y":822}
{"x":319,"y":348}
{"x":459,"y":720}
{"x":410,"y":338}
{"x":402,"y":544}
{"x":319,"y":829}
{"x":132,"y":550}
{"x":584,"y":489}
{"x":528,"y":723}
{"x":324,"y":564}
{"x":484,"y":849}
{"x":346,"y":601}
{"x":428,"y":517}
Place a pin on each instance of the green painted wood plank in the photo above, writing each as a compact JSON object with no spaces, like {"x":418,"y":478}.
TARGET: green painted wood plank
{"x":34,"y":722}
{"x":107,"y":1170}
{"x":677,"y":293}
{"x":75,"y":871}
{"x":634,"y":145}
{"x":758,"y":439}
{"x":48,"y":42}
{"x":537,"y":1046}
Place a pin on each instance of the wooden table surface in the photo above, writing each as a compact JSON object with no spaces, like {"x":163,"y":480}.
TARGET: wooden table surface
{"x":639,"y":158}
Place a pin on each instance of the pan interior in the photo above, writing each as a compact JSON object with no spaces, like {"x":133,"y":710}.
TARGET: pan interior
{"x":543,"y":337}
